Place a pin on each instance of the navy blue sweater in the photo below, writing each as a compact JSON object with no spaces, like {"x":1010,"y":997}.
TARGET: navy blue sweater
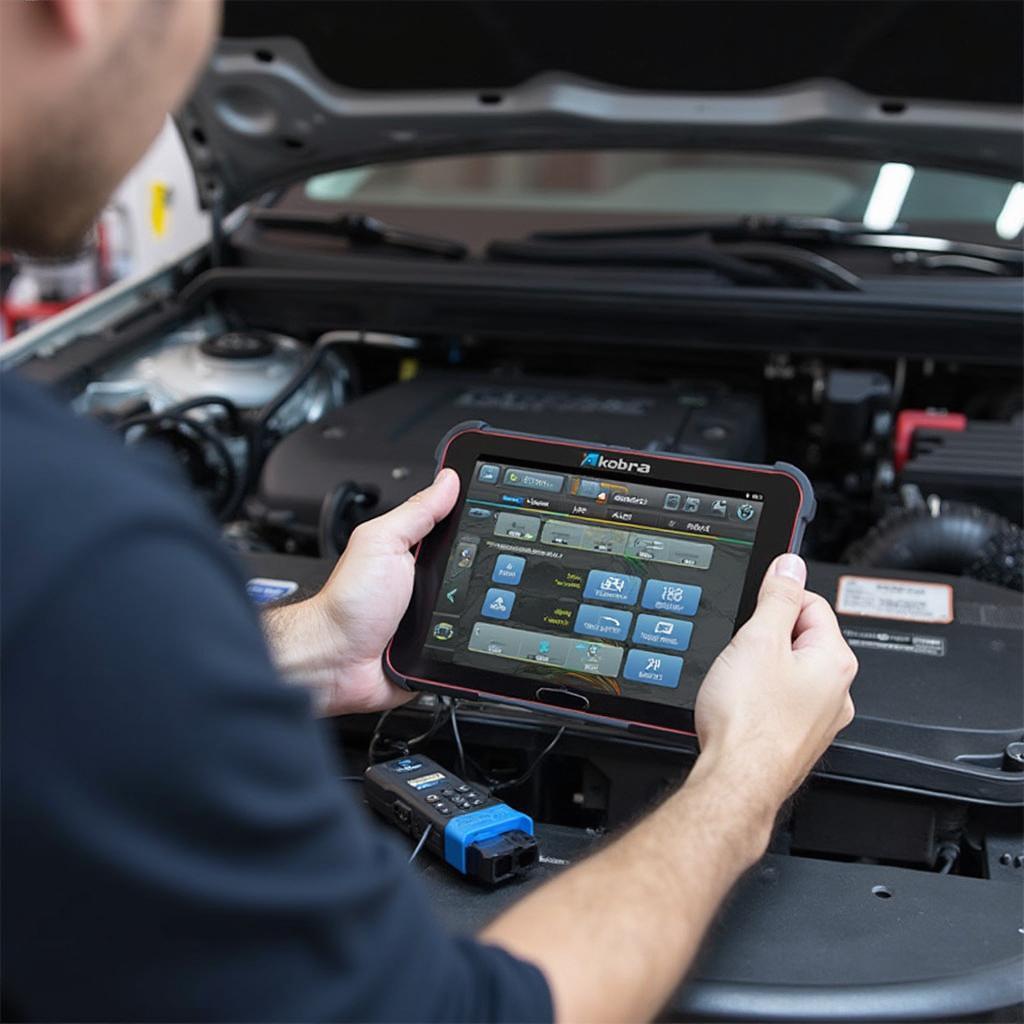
{"x":176,"y":845}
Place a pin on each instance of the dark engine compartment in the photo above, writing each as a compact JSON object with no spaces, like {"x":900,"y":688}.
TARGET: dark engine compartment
{"x":385,"y":441}
{"x":297,"y":411}
{"x":273,"y":390}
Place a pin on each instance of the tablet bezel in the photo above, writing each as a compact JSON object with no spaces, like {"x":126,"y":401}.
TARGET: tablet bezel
{"x":406,"y":659}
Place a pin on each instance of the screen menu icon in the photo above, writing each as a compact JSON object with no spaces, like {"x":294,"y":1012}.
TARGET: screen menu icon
{"x":498,"y":603}
{"x":587,"y":488}
{"x":653,"y":669}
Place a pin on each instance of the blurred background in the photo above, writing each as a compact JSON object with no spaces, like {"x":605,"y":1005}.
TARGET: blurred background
{"x":152,"y":219}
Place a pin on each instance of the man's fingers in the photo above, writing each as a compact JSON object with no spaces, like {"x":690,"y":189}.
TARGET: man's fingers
{"x":816,"y":625}
{"x":782,"y":595}
{"x":817,"y":631}
{"x":408,"y":524}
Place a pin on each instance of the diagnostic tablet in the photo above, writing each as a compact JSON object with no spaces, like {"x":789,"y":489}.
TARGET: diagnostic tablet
{"x":588,"y":579}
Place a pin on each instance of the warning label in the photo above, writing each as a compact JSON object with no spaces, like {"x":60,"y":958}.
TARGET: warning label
{"x":907,"y":643}
{"x":905,"y":600}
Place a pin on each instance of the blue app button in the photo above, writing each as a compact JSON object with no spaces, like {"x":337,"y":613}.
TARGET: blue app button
{"x":508,"y":569}
{"x":610,"y":623}
{"x":488,"y":474}
{"x":611,"y":586}
{"x":652,"y":667}
{"x":498,"y":603}
{"x":666,"y":596}
{"x":655,"y":631}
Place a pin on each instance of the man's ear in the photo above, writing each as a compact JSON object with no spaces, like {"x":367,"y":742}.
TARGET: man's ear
{"x":77,"y":21}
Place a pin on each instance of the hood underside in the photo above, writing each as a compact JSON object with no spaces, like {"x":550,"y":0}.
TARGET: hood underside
{"x":301,"y":87}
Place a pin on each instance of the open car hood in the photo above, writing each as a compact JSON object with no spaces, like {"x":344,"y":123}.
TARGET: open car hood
{"x":295,"y":88}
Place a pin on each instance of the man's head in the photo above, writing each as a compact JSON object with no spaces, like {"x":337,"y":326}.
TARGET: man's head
{"x":85,"y":86}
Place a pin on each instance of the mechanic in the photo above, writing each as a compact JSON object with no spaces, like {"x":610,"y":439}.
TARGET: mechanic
{"x":176,"y":844}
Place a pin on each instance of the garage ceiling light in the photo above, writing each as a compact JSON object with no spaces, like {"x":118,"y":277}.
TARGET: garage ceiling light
{"x":887,"y":196}
{"x":1010,"y":221}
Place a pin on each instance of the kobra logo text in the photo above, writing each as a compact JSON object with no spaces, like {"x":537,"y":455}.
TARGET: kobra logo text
{"x":595,"y":460}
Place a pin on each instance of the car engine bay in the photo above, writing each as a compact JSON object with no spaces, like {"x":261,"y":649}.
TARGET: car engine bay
{"x":917,"y":465}
{"x":294,"y":418}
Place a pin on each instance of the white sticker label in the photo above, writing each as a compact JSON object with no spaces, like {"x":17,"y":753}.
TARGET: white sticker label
{"x":426,"y":781}
{"x":905,"y":600}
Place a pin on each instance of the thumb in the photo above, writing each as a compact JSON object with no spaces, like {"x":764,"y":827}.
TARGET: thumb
{"x":782,"y":594}
{"x":411,"y":521}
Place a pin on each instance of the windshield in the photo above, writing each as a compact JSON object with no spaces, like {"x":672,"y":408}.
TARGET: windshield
{"x":583,"y":188}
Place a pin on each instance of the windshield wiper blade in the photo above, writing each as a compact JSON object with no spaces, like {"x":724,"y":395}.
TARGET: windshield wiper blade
{"x":917,"y":251}
{"x":794,"y":259}
{"x":630,"y":253}
{"x":753,"y":264}
{"x":740,"y":229}
{"x":361,"y":230}
{"x":815,"y":230}
{"x":1003,"y":255}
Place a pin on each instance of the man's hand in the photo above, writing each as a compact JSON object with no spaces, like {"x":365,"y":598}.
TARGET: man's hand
{"x":617,"y":934}
{"x":779,"y":693}
{"x":334,"y":641}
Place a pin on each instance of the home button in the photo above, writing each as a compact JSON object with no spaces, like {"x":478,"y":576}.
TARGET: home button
{"x":562,"y":698}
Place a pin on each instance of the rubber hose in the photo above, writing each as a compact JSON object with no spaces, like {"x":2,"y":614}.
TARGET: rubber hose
{"x":962,"y":540}
{"x":1001,"y":560}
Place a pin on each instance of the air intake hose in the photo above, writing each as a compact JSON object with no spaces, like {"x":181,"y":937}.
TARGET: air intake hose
{"x":952,"y":537}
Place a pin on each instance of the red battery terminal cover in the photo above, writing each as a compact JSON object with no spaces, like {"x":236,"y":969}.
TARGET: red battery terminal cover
{"x":907,"y":423}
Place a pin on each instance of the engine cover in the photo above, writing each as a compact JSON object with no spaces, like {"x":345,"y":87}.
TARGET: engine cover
{"x":385,"y":441}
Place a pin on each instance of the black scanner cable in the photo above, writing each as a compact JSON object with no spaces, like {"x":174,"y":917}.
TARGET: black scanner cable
{"x":442,"y":712}
{"x":495,"y":785}
{"x":446,"y":711}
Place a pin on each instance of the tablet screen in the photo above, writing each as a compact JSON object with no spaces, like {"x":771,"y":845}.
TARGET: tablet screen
{"x":630,"y":589}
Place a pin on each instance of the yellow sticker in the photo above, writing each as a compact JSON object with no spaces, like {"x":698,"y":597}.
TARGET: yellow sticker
{"x":159,"y":207}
